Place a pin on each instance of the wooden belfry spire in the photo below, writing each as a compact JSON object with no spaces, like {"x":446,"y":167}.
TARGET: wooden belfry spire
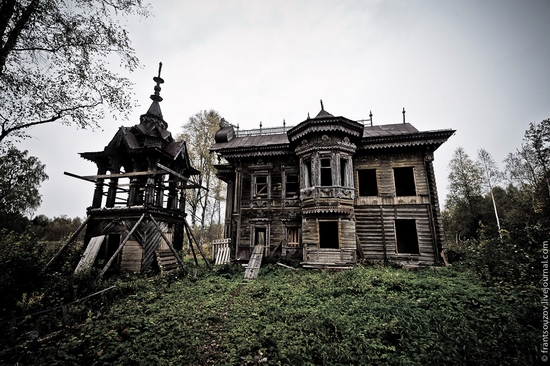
{"x":137,"y":217}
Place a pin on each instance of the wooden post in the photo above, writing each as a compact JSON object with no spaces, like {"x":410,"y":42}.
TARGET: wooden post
{"x":198,"y":247}
{"x":168,"y":242}
{"x":56,"y":256}
{"x":120,"y":247}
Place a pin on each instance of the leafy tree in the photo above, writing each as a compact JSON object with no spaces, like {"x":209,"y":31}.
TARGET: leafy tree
{"x":20,"y":179}
{"x":465,"y":195}
{"x":203,"y":204}
{"x":529,"y":167}
{"x":54,"y":58}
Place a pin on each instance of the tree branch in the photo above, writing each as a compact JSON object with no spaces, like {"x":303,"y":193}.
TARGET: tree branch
{"x":15,"y":33}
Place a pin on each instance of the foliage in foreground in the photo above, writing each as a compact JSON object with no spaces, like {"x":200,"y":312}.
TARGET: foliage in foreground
{"x":368,"y":315}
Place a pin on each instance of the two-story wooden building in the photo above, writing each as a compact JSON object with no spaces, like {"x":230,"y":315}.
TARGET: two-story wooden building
{"x":330,"y":188}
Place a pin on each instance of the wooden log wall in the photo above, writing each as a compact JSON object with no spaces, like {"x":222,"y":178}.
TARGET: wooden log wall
{"x":376,"y":215}
{"x":376,"y":230}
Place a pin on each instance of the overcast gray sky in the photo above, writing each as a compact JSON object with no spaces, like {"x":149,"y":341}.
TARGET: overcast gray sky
{"x":481,"y":67}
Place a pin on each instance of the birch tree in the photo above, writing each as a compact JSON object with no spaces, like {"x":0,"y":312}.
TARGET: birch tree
{"x":198,"y":133}
{"x":491,"y":176}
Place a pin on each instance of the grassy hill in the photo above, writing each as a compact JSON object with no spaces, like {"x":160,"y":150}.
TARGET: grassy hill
{"x":369,"y":315}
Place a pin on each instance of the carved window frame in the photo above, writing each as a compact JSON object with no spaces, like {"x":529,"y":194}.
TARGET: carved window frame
{"x":266,"y":191}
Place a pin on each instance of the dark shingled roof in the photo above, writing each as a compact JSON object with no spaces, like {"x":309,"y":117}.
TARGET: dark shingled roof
{"x":389,"y":130}
{"x":249,"y":141}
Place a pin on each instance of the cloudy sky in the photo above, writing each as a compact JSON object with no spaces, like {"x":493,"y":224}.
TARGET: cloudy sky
{"x":481,"y":67}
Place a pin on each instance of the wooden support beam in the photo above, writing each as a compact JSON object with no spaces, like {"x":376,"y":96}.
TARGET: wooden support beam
{"x":194,"y":185}
{"x":120,"y":247}
{"x":195,"y":240}
{"x":168,"y":242}
{"x":75,"y":234}
{"x":191,"y":245}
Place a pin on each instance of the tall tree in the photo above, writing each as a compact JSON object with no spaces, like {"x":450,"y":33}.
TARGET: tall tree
{"x":20,"y":179}
{"x":198,"y":133}
{"x":54,"y":57}
{"x":465,"y":195}
{"x":491,"y":176}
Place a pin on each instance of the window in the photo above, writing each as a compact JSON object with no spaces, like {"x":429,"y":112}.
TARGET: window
{"x":404,"y":181}
{"x":406,"y":236}
{"x":292,"y":238}
{"x":292,"y":185}
{"x":328,"y":235}
{"x":368,"y":185}
{"x":307,"y":174}
{"x":261,"y":188}
{"x":326,"y":172}
{"x":344,"y":173}
{"x":260,"y":236}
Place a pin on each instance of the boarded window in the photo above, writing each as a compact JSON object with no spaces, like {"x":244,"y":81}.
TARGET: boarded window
{"x":368,"y":186}
{"x":344,"y":173}
{"x":406,"y":236}
{"x":292,"y":238}
{"x":404,"y":181}
{"x":328,"y":235}
{"x":292,"y":185}
{"x":326,"y":172}
{"x":261,"y":188}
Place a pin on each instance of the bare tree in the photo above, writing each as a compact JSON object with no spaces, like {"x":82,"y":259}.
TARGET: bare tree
{"x":54,"y":58}
{"x":491,"y":176}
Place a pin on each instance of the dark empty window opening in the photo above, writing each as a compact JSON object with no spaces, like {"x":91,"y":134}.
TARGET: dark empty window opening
{"x":307,"y":173}
{"x":406,"y":236}
{"x":326,"y":172}
{"x":404,"y":181}
{"x":292,"y":185}
{"x":261,"y":186}
{"x":344,"y":172}
{"x":328,"y":235}
{"x":368,"y":185}
{"x":260,"y":236}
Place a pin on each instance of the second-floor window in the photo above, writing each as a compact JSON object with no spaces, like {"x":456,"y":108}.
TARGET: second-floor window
{"x":368,"y":185}
{"x":326,"y":172}
{"x":404,"y":181}
{"x":261,"y":186}
{"x":292,"y":186}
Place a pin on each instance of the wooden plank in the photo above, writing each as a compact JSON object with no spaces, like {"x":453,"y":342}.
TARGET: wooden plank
{"x":90,"y":254}
{"x":75,"y":234}
{"x":254,"y":263}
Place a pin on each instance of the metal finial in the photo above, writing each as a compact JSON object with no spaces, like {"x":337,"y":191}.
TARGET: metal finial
{"x":307,"y":115}
{"x":158,"y":80}
{"x":284,"y":125}
{"x":322,"y":107}
{"x":260,"y":127}
{"x":370,"y":115}
{"x":404,"y":114}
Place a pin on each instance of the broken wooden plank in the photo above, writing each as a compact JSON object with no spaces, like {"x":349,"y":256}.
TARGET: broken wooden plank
{"x":254,"y":263}
{"x":90,"y":254}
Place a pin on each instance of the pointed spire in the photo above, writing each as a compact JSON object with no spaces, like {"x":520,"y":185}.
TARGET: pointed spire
{"x":370,"y":115}
{"x":154,"y":109}
{"x":404,"y":114}
{"x":322,"y":107}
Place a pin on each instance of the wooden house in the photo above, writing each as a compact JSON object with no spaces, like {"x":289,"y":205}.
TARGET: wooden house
{"x":330,"y":189}
{"x":137,"y":217}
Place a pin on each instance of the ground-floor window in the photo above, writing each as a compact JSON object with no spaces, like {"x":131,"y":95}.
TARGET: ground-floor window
{"x":292,"y":237}
{"x":406,"y":236}
{"x":328,"y":235}
{"x":259,"y":236}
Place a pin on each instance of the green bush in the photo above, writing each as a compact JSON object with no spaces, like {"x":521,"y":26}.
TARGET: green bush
{"x":368,"y":315}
